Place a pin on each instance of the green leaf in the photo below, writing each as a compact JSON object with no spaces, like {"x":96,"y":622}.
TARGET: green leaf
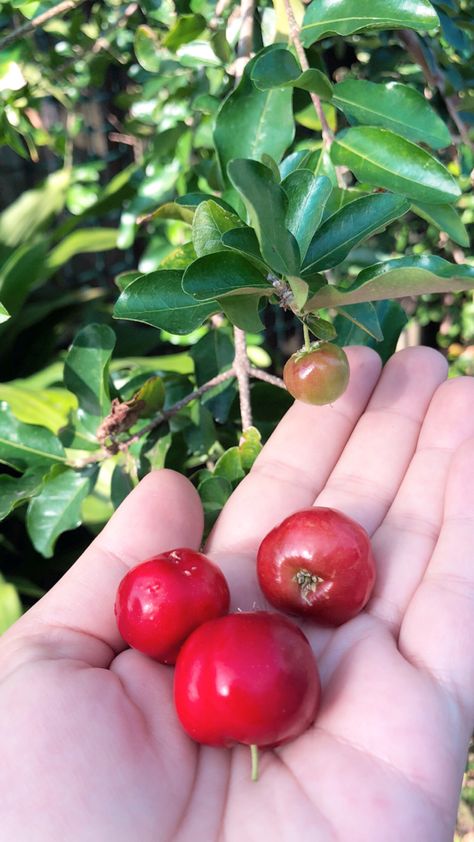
{"x":244,"y":242}
{"x":251,"y":122}
{"x":250,"y":446}
{"x":341,"y":17}
{"x":186,"y":29}
{"x":87,"y":240}
{"x":26,"y":445}
{"x":223,"y":273}
{"x":46,"y":407}
{"x":209,"y":223}
{"x":387,"y":160}
{"x":392,"y":319}
{"x":266,"y":204}
{"x":243,"y":311}
{"x":125,"y":278}
{"x":321,"y":328}
{"x":213,"y":354}
{"x":340,"y":197}
{"x":281,"y":70}
{"x":349,"y":226}
{"x":405,"y":276}
{"x":10,"y":605}
{"x":86,"y":368}
{"x":153,"y":394}
{"x":58,"y":508}
{"x":120,"y":486}
{"x":363,"y":316}
{"x":229,"y":465}
{"x":4,"y":314}
{"x":214,"y":493}
{"x":33,"y":209}
{"x":158,"y":299}
{"x":393,"y":106}
{"x":179,"y":258}
{"x":307,"y":196}
{"x":20,"y":272}
{"x":446,"y":219}
{"x":14,"y":491}
{"x":184,"y":207}
{"x":147,"y":49}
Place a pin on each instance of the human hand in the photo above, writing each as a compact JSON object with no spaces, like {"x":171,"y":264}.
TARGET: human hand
{"x":91,"y":748}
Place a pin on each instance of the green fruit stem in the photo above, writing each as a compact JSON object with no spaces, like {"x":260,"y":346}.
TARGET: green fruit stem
{"x":254,"y":756}
{"x":307,"y":338}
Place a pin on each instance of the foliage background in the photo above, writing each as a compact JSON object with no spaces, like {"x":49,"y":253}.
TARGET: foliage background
{"x":107,"y":113}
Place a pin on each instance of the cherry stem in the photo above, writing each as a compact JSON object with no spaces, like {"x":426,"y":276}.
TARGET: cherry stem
{"x":254,"y":756}
{"x":307,"y":338}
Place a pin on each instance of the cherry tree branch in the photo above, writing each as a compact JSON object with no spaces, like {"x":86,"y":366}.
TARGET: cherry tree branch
{"x":294,"y":32}
{"x":32,"y":25}
{"x":259,"y":374}
{"x":241,"y":369}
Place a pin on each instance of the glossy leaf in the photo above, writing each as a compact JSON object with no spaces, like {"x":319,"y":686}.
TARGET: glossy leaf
{"x":158,"y":299}
{"x":251,"y":122}
{"x":86,"y":368}
{"x":209,"y":224}
{"x":393,"y":106}
{"x":4,"y":314}
{"x":279,"y":69}
{"x":57,"y":508}
{"x":307,"y":196}
{"x":363,"y":316}
{"x":266,"y":204}
{"x":229,"y":465}
{"x":250,"y":445}
{"x":349,"y":226}
{"x":179,"y":258}
{"x":384,"y":159}
{"x":27,"y":445}
{"x":446,"y":219}
{"x":341,"y":17}
{"x":244,"y":242}
{"x":221,"y":274}
{"x":15,"y":491}
{"x":397,"y":278}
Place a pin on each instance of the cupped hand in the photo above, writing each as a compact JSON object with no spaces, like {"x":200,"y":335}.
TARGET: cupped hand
{"x":91,"y":748}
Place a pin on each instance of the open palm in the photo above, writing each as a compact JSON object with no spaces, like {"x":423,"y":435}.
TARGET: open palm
{"x":91,"y":748}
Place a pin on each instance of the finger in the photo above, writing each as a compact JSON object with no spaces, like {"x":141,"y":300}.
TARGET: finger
{"x":373,"y":464}
{"x":295,"y":462}
{"x":405,"y":541}
{"x":438,"y":628}
{"x":163,"y":512}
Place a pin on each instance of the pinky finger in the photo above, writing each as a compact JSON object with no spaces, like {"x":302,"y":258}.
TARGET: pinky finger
{"x":438,"y":628}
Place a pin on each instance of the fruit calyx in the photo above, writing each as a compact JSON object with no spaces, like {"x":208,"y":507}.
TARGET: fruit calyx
{"x":313,"y":346}
{"x":307,"y":582}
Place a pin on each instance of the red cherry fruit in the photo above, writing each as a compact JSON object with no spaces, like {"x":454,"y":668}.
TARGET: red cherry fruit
{"x":250,"y":678}
{"x":319,"y":375}
{"x":317,"y":563}
{"x":162,"y":600}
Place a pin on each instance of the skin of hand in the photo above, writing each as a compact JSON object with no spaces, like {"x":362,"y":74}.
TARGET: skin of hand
{"x":91,"y":748}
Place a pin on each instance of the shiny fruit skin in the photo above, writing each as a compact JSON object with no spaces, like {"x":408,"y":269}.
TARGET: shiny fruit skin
{"x":250,"y":678}
{"x":318,"y":376}
{"x":317,"y":563}
{"x":162,"y":600}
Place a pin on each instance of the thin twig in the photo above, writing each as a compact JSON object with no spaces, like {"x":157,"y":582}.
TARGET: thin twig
{"x":259,"y":374}
{"x":241,"y":369}
{"x":294,"y":32}
{"x":32,"y":25}
{"x":244,"y":46}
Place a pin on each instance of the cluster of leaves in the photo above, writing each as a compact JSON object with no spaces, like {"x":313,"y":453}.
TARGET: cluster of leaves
{"x":237,"y":203}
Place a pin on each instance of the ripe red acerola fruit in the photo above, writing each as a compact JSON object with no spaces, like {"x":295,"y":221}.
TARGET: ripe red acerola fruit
{"x":319,"y":375}
{"x":317,"y":563}
{"x":162,"y":600}
{"x":250,"y":678}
